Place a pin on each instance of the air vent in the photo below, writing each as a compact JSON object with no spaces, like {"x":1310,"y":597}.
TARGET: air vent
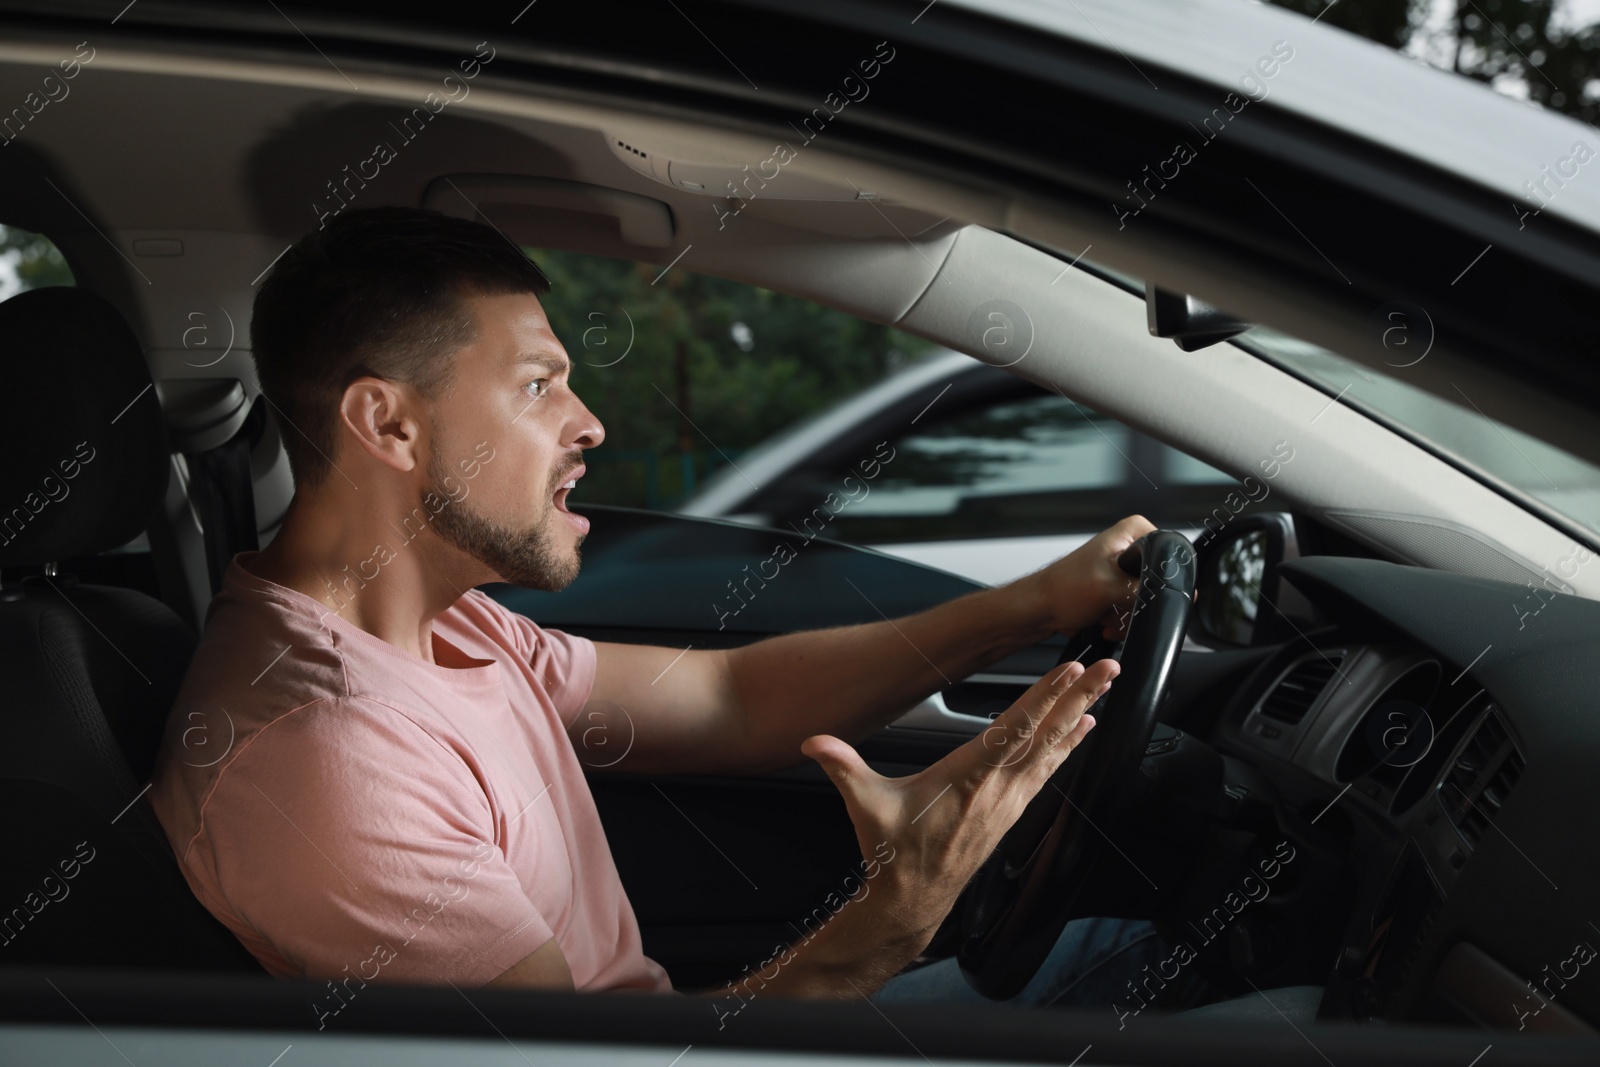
{"x":1481,"y":779}
{"x":1292,"y":698}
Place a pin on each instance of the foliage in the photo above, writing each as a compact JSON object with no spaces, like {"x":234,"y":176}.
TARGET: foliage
{"x":28,"y":261}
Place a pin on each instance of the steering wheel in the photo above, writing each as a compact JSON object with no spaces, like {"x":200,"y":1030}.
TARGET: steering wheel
{"x":1015,"y":907}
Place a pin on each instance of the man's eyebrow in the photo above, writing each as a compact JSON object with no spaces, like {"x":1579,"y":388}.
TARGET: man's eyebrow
{"x":555,"y":364}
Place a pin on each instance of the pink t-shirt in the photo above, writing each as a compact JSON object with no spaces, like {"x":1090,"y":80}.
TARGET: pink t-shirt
{"x":348,"y":809}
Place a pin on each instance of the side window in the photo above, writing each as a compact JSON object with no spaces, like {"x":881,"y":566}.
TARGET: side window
{"x":728,"y":401}
{"x":1029,"y":463}
{"x":29,"y":261}
{"x":1017,"y":463}
{"x":689,"y":372}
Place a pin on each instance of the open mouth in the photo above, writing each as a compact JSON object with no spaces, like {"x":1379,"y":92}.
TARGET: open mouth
{"x":560,"y":499}
{"x":571,"y":483}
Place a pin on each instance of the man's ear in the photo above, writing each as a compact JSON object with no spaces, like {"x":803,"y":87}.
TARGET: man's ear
{"x":387,"y":419}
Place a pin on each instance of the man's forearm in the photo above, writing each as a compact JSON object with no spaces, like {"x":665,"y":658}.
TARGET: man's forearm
{"x":852,"y":680}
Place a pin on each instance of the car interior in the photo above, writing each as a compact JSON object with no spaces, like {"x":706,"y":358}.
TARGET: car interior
{"x":1383,"y":693}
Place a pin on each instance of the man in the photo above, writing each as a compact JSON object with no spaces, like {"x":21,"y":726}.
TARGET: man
{"x":371,"y":773}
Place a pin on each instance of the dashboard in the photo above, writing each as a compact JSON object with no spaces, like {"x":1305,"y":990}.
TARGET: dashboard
{"x":1453,"y":743}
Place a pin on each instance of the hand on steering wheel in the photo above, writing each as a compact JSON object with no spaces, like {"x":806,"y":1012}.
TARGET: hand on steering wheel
{"x":1087,"y":592}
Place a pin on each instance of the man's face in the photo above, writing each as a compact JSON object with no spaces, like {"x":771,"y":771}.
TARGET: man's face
{"x":508,"y":436}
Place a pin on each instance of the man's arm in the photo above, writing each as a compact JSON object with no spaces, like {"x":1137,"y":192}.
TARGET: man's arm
{"x":746,"y":710}
{"x":922,"y":838}
{"x":543,"y":968}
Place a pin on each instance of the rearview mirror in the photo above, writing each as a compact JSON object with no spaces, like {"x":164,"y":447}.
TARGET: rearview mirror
{"x":1191,"y":324}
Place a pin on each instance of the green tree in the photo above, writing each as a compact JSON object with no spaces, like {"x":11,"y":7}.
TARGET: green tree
{"x":29,"y":261}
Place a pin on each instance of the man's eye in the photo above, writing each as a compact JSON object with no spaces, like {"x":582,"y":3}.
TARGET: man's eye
{"x":537,"y":388}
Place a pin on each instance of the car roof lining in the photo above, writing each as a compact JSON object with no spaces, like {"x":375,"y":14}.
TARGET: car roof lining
{"x":275,"y":110}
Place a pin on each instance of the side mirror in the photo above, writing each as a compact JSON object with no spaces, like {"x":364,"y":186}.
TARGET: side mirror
{"x":1238,"y":594}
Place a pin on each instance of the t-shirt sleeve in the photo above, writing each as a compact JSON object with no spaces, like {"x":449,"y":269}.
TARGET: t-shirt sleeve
{"x":563,"y":662}
{"x":566,"y":663}
{"x":370,"y":854}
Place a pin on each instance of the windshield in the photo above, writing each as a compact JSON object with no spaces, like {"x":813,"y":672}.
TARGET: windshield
{"x":1512,"y":461}
{"x":1459,"y":432}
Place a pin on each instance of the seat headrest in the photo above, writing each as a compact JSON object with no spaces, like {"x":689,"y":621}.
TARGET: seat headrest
{"x":81,"y":431}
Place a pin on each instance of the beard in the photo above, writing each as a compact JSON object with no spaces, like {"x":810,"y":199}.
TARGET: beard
{"x":528,"y":557}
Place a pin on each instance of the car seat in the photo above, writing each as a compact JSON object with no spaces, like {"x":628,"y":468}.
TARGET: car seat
{"x":88,"y":673}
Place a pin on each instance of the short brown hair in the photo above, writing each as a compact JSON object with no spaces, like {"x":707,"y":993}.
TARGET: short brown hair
{"x":376,"y":292}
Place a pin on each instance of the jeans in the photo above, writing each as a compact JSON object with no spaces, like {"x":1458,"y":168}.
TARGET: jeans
{"x":1094,"y":965}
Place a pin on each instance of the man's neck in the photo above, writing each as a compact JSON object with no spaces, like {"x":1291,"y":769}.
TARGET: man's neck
{"x":371,"y":573}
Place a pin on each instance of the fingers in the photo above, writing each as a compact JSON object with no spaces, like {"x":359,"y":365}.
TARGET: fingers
{"x":843,"y":766}
{"x":1010,"y":738}
{"x":1068,"y":723}
{"x":841,"y":761}
{"x":1130,"y":529}
{"x":1045,"y":716}
{"x":1121,"y":537}
{"x":1078,"y":733}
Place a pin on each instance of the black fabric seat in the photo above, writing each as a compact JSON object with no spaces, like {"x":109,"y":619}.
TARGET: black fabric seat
{"x":87,"y":673}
